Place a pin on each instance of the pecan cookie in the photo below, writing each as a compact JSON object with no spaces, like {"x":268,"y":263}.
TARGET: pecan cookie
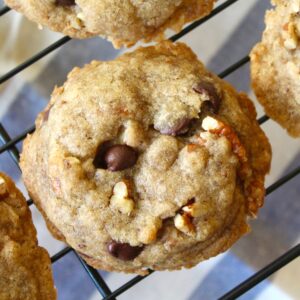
{"x":25,"y":268}
{"x":147,"y":161}
{"x":123,"y":22}
{"x":275,"y":64}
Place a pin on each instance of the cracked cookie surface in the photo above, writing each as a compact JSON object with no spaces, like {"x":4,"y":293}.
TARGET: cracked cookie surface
{"x":25,"y":268}
{"x":147,"y":161}
{"x":275,"y":63}
{"x":122,"y":22}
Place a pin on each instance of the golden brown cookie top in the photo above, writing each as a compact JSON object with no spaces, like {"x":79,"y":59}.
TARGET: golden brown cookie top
{"x":146,"y":156}
{"x":275,"y":65}
{"x":123,"y":22}
{"x":25,"y":268}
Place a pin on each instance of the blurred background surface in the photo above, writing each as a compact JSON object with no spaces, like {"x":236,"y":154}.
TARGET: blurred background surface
{"x":223,"y":40}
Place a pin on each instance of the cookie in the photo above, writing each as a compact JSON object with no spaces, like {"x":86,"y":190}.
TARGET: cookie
{"x":147,"y":161}
{"x":25,"y":268}
{"x":275,"y":65}
{"x":122,"y":22}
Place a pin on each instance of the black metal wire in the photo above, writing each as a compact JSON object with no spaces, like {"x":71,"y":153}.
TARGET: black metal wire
{"x":60,"y":254}
{"x":127,"y":285}
{"x":4,"y":10}
{"x":29,"y":202}
{"x":13,"y":152}
{"x":34,"y":59}
{"x":10,"y":145}
{"x":235,"y":66}
{"x":262,"y":274}
{"x":17,"y":139}
{"x":97,"y":279}
{"x":282,"y":180}
{"x":195,"y":24}
{"x":263,"y":119}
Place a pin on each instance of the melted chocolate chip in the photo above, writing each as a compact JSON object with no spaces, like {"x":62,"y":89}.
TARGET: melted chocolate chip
{"x":120,"y":157}
{"x":65,"y":2}
{"x":180,"y":128}
{"x":210,"y":91}
{"x":124,"y":251}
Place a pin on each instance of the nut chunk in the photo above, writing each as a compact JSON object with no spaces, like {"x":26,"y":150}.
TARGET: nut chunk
{"x":183,"y":221}
{"x":121,"y":197}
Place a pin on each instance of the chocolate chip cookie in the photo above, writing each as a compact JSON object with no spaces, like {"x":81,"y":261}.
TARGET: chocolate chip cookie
{"x":123,"y":22}
{"x":275,"y":65}
{"x":25,"y":268}
{"x":147,"y":161}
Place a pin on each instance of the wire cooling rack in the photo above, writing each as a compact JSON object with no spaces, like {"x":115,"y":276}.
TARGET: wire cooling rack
{"x":9,"y":145}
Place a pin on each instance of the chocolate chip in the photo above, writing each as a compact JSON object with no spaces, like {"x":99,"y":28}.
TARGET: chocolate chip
{"x":99,"y":161}
{"x":120,"y":157}
{"x":181,"y":127}
{"x":210,"y":91}
{"x":124,"y":251}
{"x":65,"y":2}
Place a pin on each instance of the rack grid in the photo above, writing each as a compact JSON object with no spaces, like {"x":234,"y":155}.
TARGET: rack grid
{"x":9,"y":145}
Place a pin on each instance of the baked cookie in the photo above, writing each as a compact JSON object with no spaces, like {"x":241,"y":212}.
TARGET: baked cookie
{"x":147,"y":161}
{"x":275,"y":65}
{"x":25,"y":268}
{"x":122,"y":22}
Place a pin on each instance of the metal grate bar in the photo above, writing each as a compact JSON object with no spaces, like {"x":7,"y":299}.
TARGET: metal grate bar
{"x":127,"y":286}
{"x":5,"y":138}
{"x":262,"y":274}
{"x":34,"y":59}
{"x":235,"y":66}
{"x":195,"y":24}
{"x":60,"y":254}
{"x":263,"y":119}
{"x":16,"y":140}
{"x":29,"y":202}
{"x":99,"y":282}
{"x":4,"y":10}
{"x":282,"y":180}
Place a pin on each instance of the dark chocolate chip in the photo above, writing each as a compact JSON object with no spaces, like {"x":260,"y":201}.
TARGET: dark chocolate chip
{"x":181,"y":127}
{"x":210,"y":91}
{"x":124,"y":251}
{"x":99,"y":161}
{"x":65,"y":2}
{"x":120,"y":157}
{"x":207,"y":107}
